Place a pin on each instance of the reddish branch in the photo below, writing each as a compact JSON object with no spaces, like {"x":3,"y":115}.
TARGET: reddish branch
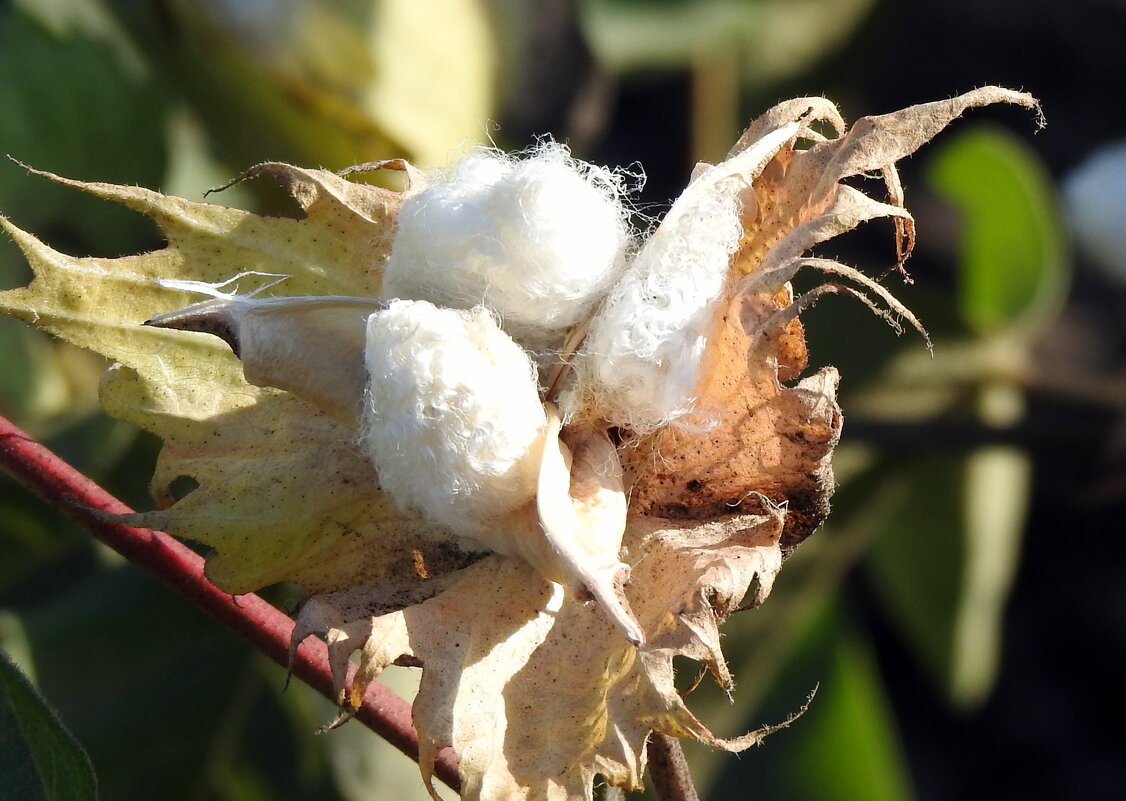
{"x":266,"y":627}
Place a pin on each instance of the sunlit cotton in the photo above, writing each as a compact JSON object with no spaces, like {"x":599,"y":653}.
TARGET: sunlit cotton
{"x":452,"y":421}
{"x":537,"y":239}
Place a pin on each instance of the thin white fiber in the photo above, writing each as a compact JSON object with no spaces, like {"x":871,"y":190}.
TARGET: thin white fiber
{"x":538,"y":240}
{"x":640,"y":361}
{"x":453,"y":421}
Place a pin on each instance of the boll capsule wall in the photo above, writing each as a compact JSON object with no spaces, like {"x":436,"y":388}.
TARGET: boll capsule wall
{"x":515,"y":328}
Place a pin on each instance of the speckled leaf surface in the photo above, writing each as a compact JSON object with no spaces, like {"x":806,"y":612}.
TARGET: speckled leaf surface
{"x":282,"y":493}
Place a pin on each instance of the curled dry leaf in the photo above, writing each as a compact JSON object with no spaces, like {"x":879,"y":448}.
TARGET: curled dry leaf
{"x":681,"y":394}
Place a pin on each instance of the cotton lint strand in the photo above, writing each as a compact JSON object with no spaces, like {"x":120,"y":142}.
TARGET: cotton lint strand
{"x":640,"y":361}
{"x":452,"y":421}
{"x":538,"y":240}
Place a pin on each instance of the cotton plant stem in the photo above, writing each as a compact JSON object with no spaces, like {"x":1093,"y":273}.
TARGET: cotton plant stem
{"x":668,"y":769}
{"x":266,"y":627}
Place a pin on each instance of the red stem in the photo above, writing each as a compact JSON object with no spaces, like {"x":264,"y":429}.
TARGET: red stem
{"x":266,"y":627}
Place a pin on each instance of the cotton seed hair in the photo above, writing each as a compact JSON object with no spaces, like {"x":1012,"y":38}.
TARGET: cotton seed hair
{"x":537,"y":240}
{"x":453,"y":420}
{"x":640,"y":362}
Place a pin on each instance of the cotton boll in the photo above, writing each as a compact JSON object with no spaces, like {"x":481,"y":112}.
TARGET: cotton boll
{"x":640,"y":361}
{"x":653,"y":332}
{"x":453,"y":421}
{"x":537,"y":240}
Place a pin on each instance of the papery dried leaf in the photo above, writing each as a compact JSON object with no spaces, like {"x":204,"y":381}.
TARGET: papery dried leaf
{"x":282,"y":494}
{"x":802,"y":186}
{"x":751,"y":438}
{"x":538,"y":691}
{"x":754,"y":442}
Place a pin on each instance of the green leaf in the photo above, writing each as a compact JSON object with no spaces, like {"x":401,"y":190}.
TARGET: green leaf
{"x":169,"y":704}
{"x":39,"y":758}
{"x":943,"y":560}
{"x":852,"y":733}
{"x":846,"y":745}
{"x":68,"y":102}
{"x":917,"y":556}
{"x":1013,"y":245}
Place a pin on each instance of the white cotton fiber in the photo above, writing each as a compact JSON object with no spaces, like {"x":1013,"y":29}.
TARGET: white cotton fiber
{"x":639,"y":364}
{"x":538,"y":240}
{"x":453,"y":421}
{"x":640,"y":357}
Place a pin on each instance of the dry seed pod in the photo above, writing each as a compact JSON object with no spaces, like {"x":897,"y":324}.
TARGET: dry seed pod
{"x":534,"y":691}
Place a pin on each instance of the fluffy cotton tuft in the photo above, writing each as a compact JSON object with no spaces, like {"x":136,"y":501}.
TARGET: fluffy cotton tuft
{"x":538,"y":240}
{"x":641,"y":358}
{"x":453,"y":421}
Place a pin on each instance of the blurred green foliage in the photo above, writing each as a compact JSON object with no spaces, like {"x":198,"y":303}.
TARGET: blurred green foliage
{"x":177,"y":95}
{"x":845,"y":746}
{"x":39,"y":759}
{"x":1013,"y":249}
{"x":326,"y":82}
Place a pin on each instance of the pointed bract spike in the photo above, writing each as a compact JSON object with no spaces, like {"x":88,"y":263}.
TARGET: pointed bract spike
{"x":310,"y":346}
{"x":215,"y":317}
{"x":586,"y":533}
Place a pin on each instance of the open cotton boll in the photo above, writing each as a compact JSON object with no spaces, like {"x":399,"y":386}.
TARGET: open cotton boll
{"x":538,"y":240}
{"x":453,"y":420}
{"x":640,"y":360}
